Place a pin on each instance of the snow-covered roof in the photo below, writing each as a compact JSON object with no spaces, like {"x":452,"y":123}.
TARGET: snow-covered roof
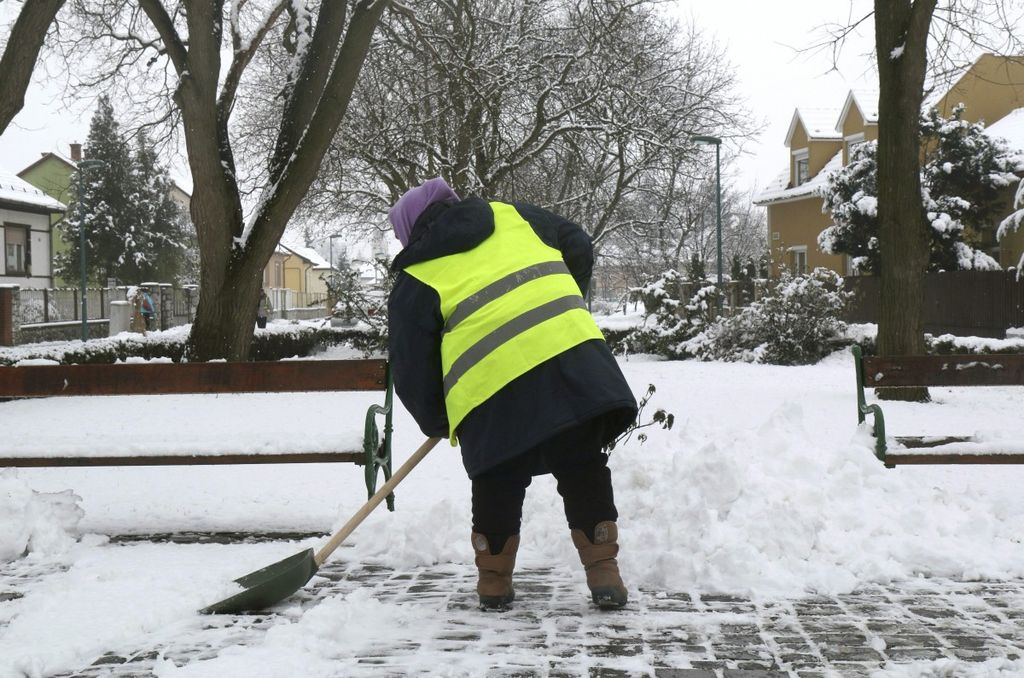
{"x":819,"y":123}
{"x":866,"y":100}
{"x":309,"y":254}
{"x":1010,"y":127}
{"x":776,"y":191}
{"x":17,"y":191}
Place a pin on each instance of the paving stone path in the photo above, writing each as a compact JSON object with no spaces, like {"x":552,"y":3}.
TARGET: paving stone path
{"x":550,"y":632}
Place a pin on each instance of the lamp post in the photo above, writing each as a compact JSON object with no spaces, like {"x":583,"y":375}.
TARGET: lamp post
{"x":717,"y":143}
{"x":83,"y":167}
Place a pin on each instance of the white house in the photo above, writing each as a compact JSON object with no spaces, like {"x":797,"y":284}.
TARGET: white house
{"x":25,"y":232}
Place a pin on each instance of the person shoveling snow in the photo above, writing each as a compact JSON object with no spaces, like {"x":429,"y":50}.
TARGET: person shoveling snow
{"x":492,"y":346}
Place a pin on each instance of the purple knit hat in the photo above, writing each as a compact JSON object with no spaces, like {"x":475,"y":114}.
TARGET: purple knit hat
{"x":411,"y":205}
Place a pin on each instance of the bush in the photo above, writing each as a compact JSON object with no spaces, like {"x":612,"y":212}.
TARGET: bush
{"x":302,"y":340}
{"x":797,"y":323}
{"x":670,"y":322}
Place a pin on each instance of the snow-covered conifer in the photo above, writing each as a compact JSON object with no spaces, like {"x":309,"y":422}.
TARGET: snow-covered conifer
{"x":962,"y":178}
{"x":133,"y":229}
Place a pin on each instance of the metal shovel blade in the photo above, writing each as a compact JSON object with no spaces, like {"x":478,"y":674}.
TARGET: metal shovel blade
{"x":268,"y":585}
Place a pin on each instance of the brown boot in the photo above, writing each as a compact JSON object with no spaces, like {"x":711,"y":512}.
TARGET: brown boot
{"x":598,"y":558}
{"x":495,"y":583}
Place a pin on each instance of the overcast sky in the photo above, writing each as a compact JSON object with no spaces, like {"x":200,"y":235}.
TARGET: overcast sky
{"x":761,"y":38}
{"x":764,"y":40}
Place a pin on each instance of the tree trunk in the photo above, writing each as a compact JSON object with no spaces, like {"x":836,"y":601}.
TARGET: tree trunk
{"x":901,"y":25}
{"x":19,"y":57}
{"x":226,"y":315}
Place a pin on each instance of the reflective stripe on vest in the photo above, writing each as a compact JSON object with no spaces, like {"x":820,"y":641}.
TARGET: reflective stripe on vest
{"x":509,"y":304}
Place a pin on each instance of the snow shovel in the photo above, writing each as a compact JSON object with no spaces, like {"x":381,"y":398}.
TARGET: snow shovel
{"x":274,"y":583}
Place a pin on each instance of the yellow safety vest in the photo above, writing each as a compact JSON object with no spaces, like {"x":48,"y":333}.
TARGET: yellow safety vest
{"x":509,"y":304}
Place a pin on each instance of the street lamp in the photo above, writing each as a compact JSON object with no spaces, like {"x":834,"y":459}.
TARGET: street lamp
{"x":83,"y":167}
{"x":331,"y":240}
{"x":717,"y":143}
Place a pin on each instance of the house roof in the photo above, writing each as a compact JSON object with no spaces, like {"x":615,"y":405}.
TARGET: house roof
{"x":866,"y":101}
{"x":309,"y":254}
{"x":49,"y":155}
{"x":16,"y":191}
{"x":818,"y":123}
{"x":777,"y":190}
{"x":1011,"y":128}
{"x":60,"y":157}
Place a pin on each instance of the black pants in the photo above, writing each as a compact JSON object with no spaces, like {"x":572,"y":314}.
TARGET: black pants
{"x":576,"y":460}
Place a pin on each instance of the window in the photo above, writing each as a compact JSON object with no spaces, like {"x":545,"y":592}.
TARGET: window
{"x":802,"y":170}
{"x":16,"y":252}
{"x":798,"y":260}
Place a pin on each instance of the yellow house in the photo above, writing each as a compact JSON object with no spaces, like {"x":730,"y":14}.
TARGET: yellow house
{"x":820,"y":140}
{"x":297,"y":268}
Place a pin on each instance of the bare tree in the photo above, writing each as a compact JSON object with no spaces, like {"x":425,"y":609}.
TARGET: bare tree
{"x":186,"y":61}
{"x":581,"y":106}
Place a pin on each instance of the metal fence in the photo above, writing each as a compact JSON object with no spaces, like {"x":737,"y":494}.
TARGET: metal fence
{"x":64,"y":304}
{"x":965,"y":303}
{"x":43,"y":306}
{"x":283,"y":299}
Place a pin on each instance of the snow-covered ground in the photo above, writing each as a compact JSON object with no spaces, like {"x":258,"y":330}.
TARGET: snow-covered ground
{"x":764,"y":487}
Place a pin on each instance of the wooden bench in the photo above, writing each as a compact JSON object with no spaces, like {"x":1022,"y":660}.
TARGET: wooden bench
{"x":46,"y":381}
{"x":938,"y":370}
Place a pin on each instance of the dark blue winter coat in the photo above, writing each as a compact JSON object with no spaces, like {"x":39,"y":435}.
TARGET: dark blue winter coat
{"x":583,"y":384}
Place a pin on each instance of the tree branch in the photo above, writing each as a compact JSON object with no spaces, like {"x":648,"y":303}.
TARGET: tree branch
{"x":21,"y":53}
{"x":164,"y":25}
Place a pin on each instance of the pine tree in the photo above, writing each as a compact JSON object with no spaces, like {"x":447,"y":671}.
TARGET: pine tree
{"x":133,"y":230}
{"x":962,"y":177}
{"x":102,"y":204}
{"x":154,"y":244}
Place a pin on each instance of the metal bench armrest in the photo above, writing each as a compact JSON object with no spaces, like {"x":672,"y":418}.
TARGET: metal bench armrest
{"x":863,"y":408}
{"x":377,"y":451}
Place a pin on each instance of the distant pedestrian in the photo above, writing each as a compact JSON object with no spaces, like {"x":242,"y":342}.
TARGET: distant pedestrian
{"x":263,"y":309}
{"x":491,"y":345}
{"x":138,"y":320}
{"x":148,"y":309}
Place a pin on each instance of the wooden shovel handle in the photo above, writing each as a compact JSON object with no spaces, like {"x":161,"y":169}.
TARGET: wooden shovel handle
{"x":386,"y":489}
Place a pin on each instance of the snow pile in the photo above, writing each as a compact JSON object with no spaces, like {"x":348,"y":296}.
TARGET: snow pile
{"x":34,"y":522}
{"x":766,"y":510}
{"x":953,"y":668}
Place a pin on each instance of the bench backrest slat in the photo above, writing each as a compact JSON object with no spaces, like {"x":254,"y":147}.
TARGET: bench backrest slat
{"x":169,"y":378}
{"x":944,"y":370}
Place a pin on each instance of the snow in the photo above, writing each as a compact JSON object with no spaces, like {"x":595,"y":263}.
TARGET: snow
{"x":896,"y":52}
{"x":953,"y":668}
{"x":818,"y":122}
{"x":1011,"y":128}
{"x":307,"y":253}
{"x":40,"y":524}
{"x":14,"y":189}
{"x":765,"y":486}
{"x":777,"y":191}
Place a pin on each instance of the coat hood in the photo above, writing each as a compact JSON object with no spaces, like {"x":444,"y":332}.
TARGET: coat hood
{"x":447,"y":228}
